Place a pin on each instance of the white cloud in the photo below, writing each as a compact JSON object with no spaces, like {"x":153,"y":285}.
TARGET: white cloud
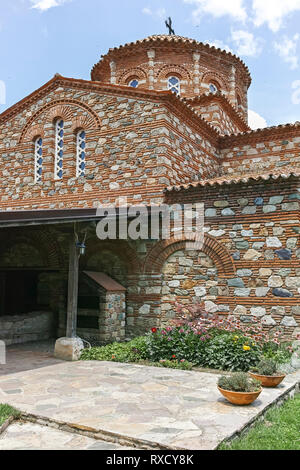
{"x":273,"y":12}
{"x":296,"y":94}
{"x":44,"y":5}
{"x":160,"y":12}
{"x":219,"y":45}
{"x":219,"y":8}
{"x":287,"y":50}
{"x":256,"y":121}
{"x":247,"y":44}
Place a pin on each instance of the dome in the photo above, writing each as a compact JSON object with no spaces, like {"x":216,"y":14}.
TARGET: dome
{"x":185,"y":66}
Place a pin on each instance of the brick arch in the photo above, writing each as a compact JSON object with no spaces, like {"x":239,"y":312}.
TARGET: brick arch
{"x":178,"y":70}
{"x":42,"y":240}
{"x":120,"y":248}
{"x":63,"y":109}
{"x":211,"y":247}
{"x":137,"y":73}
{"x":216,"y":78}
{"x":35,"y":131}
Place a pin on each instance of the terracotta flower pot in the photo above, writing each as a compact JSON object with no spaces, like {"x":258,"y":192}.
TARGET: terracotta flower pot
{"x":268,"y":380}
{"x":240,"y":398}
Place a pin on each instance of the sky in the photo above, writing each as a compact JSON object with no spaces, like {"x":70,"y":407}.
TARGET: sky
{"x":39,"y":38}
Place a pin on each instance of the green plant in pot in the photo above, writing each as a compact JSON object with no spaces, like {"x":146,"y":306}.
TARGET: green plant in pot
{"x":267,"y":373}
{"x":239,"y":389}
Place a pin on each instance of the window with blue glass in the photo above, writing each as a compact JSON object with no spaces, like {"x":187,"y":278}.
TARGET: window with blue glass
{"x":213,"y":88}
{"x":81,"y":153}
{"x":59,"y":149}
{"x":134,"y":83}
{"x":174,"y":85}
{"x":38,"y":159}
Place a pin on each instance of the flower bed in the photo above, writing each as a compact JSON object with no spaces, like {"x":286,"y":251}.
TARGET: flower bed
{"x":198,"y":339}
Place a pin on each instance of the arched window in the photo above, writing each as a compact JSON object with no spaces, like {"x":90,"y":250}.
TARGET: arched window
{"x":134,"y":83}
{"x":213,"y":88}
{"x":174,"y":85}
{"x":239,"y":101}
{"x":80,"y":153}
{"x":38,"y":159}
{"x":59,"y":149}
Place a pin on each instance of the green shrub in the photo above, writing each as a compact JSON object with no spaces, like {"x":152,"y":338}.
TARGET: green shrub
{"x":279,"y":353}
{"x":182,"y":365}
{"x":176,"y":343}
{"x":239,"y":382}
{"x":132,"y":351}
{"x":266,"y":367}
{"x":230,"y":352}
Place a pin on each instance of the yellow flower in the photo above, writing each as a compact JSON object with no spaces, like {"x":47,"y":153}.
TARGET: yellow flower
{"x":246,"y":348}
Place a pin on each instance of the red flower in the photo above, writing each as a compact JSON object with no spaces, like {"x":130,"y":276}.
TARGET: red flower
{"x":154,"y":330}
{"x":174,"y":357}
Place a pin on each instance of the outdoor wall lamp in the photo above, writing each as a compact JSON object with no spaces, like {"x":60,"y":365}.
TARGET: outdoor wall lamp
{"x":81,"y":247}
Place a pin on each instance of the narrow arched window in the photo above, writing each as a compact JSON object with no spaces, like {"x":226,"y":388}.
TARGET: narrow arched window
{"x":174,"y":85}
{"x":80,"y":153}
{"x":213,"y":88}
{"x":38,"y":159}
{"x":134,"y":83}
{"x":59,"y":149}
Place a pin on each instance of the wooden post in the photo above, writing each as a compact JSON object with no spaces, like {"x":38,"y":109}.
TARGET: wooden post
{"x":72,"y":289}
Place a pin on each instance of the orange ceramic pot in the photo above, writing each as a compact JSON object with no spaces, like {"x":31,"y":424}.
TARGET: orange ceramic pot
{"x":268,"y":380}
{"x":240,"y":398}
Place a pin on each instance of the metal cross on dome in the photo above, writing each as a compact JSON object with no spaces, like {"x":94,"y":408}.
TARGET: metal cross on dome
{"x":169,"y":26}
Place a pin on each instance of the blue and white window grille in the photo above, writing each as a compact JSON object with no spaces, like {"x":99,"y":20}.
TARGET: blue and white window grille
{"x":59,"y":149}
{"x":174,"y":85}
{"x":81,"y":153}
{"x":38,"y":159}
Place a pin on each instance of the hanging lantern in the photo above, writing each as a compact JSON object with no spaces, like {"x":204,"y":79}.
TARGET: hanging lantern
{"x":81,"y":247}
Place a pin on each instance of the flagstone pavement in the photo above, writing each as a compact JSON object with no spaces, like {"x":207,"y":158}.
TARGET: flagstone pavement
{"x":167,"y":408}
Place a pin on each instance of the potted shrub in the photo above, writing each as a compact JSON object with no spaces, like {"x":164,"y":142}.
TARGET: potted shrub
{"x":267,"y":373}
{"x":239,"y":389}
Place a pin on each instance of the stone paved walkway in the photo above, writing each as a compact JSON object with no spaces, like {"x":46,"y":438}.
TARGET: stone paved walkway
{"x":30,"y":436}
{"x":178,"y":409}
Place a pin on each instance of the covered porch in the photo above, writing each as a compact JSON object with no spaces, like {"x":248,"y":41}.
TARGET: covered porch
{"x":57,"y":279}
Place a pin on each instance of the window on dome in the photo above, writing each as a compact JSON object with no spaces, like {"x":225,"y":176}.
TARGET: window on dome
{"x":213,"y":88}
{"x":81,"y":153}
{"x":38,"y":159}
{"x":174,"y":85}
{"x":59,"y":149}
{"x":134,"y":83}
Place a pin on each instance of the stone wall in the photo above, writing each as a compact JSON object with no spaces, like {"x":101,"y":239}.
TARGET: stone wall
{"x":35,"y":326}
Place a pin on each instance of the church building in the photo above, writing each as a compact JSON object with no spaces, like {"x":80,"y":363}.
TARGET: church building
{"x":163,"y":120}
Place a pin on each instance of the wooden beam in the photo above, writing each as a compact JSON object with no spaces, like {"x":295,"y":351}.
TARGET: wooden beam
{"x":72,"y":289}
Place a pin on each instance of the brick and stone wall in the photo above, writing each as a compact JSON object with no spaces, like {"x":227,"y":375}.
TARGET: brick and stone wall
{"x":260,"y":152}
{"x":258,"y":225}
{"x":135,"y":148}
